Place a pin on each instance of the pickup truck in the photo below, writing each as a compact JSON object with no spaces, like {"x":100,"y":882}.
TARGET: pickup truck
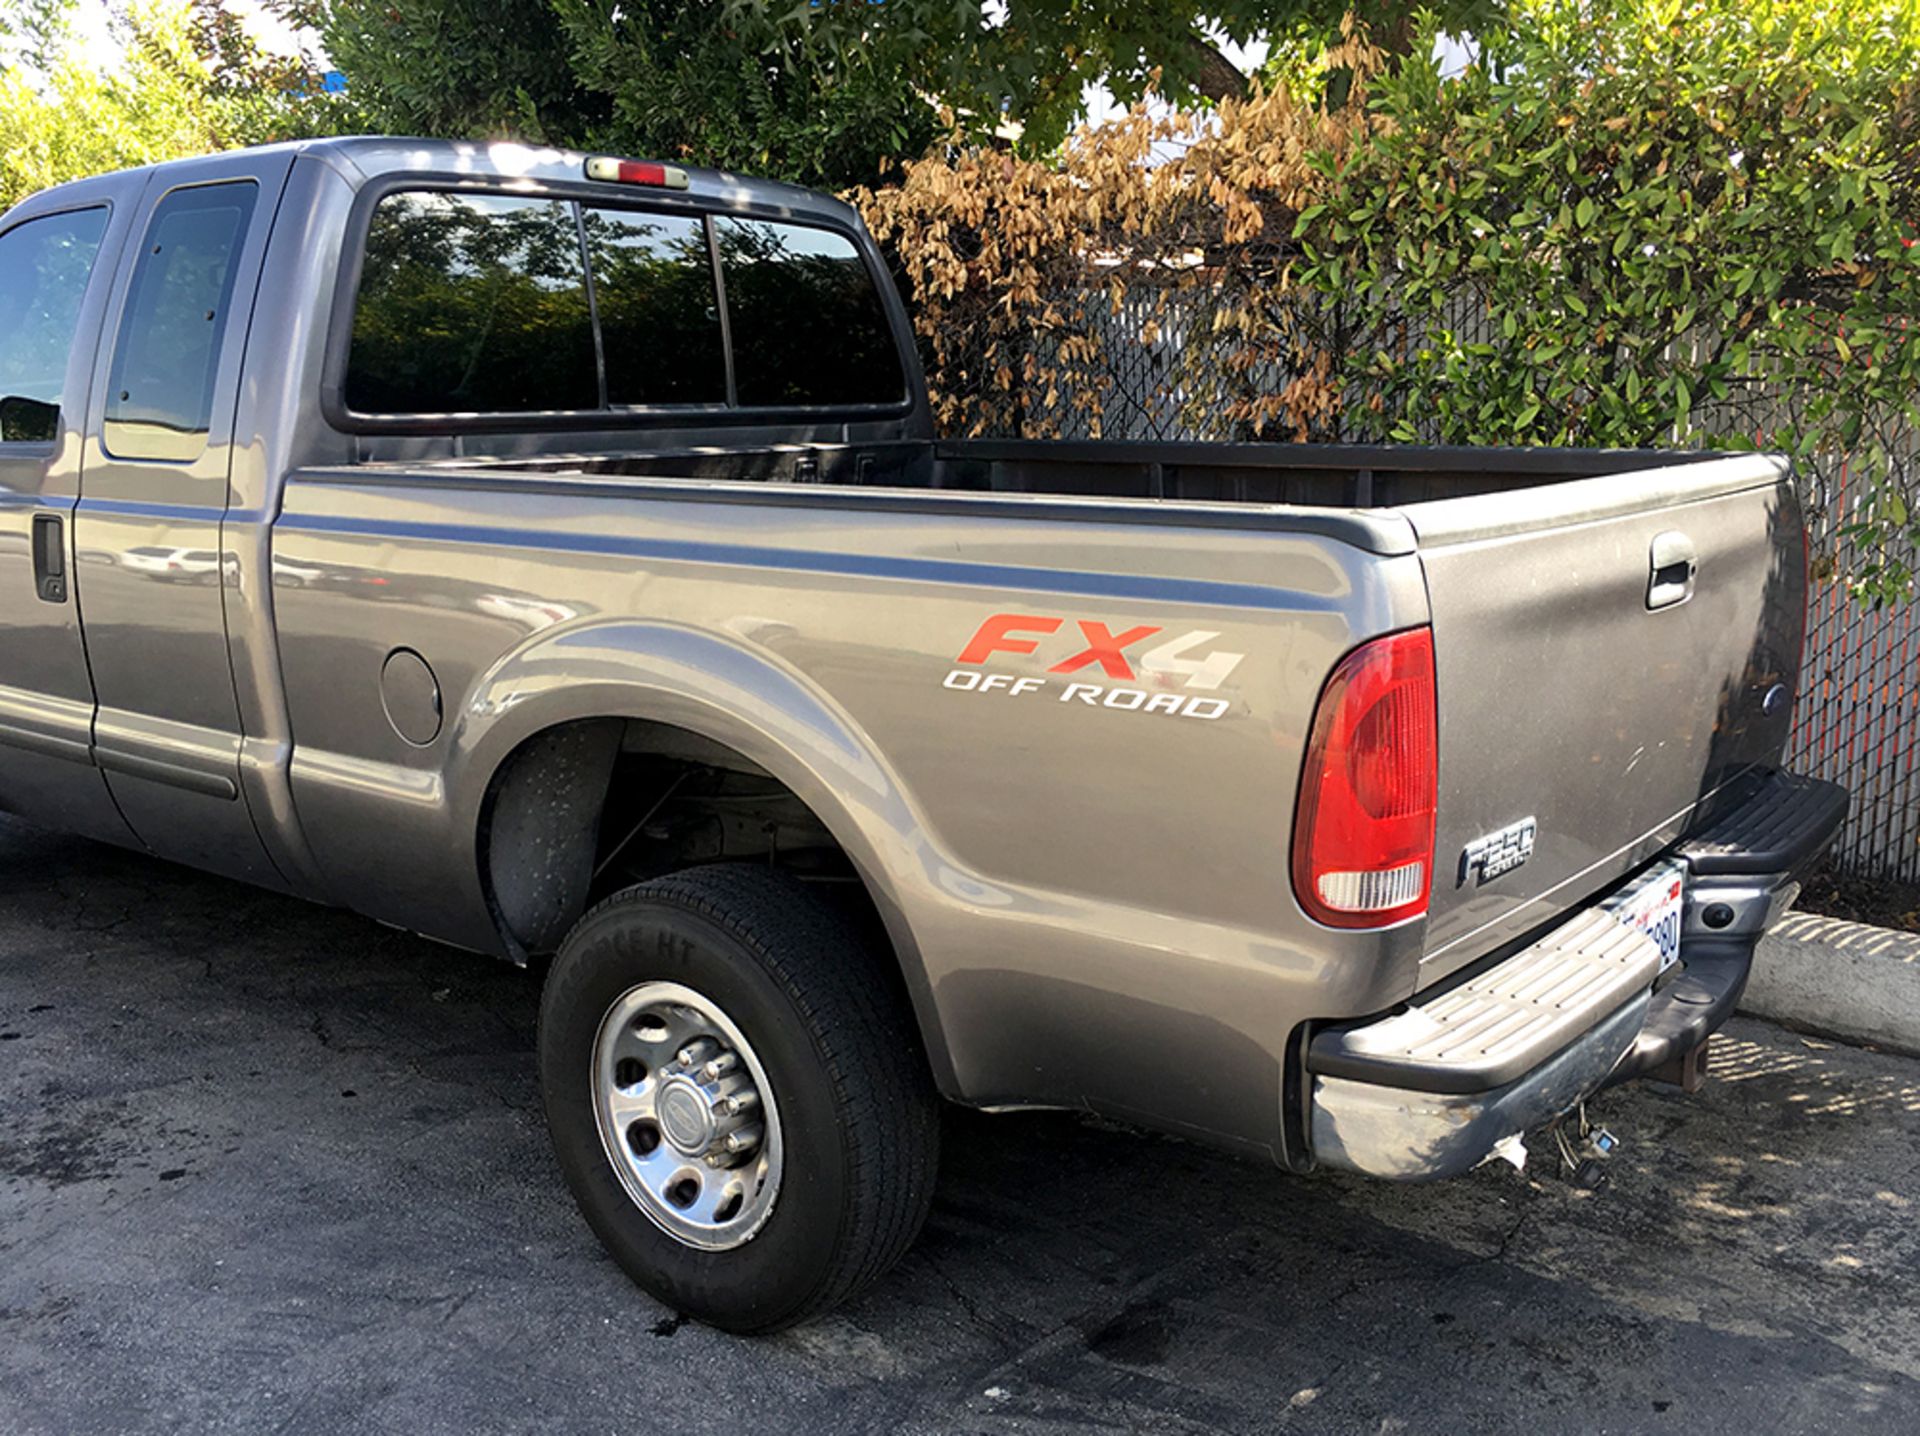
{"x":552,"y":555}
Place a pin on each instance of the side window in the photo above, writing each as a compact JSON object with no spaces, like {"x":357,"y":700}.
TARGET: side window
{"x":807,"y":325}
{"x":160,"y":392}
{"x":471,"y":303}
{"x":659,"y":320}
{"x":44,"y":266}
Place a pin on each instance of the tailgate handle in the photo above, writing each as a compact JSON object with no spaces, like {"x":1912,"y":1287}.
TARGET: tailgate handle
{"x":1674,"y":562}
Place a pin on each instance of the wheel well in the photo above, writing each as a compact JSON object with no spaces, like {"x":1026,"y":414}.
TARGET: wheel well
{"x":584,"y":809}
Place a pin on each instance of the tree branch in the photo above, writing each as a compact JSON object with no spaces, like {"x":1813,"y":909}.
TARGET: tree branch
{"x":1214,"y":74}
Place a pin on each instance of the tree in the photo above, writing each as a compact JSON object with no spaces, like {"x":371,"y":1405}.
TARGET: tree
{"x":1676,"y":223}
{"x":31,"y":33}
{"x":688,"y":82}
{"x":457,"y":69}
{"x":1094,"y":291}
{"x":1640,"y":229}
{"x":826,"y":93}
{"x":187,"y":81}
{"x":713,"y":86}
{"x":1030,"y":61}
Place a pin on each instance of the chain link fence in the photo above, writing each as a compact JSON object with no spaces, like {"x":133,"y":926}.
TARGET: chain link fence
{"x":1858,"y":720}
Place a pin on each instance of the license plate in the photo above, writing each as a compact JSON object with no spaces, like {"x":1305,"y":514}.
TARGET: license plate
{"x":1653,"y":906}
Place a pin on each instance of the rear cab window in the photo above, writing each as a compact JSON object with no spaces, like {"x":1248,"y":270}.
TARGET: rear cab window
{"x":472,"y":303}
{"x":167,"y":355}
{"x":45,"y":264}
{"x":479,"y":304}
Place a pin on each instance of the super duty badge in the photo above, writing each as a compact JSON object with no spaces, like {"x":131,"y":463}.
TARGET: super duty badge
{"x":1501,"y":851}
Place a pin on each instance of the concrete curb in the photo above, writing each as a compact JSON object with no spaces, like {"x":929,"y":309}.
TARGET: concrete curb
{"x":1845,"y":979}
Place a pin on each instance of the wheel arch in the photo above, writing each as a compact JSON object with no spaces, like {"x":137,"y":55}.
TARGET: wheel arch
{"x":569,"y":704}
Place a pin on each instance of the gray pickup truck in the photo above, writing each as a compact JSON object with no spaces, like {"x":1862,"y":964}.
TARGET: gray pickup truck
{"x":552,"y":555}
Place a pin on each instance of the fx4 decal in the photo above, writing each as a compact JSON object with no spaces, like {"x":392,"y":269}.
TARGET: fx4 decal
{"x":1177,"y":674}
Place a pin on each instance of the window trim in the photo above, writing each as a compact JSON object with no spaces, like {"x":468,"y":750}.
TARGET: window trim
{"x":47,"y":448}
{"x":712,"y":232}
{"x":592,"y":287}
{"x":117,"y":321}
{"x":346,"y":293}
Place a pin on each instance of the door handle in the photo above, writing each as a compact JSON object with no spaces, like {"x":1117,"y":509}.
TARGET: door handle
{"x":1673,"y":564}
{"x":50,"y":558}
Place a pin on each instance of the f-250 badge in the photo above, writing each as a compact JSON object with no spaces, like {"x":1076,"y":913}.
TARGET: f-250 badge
{"x":1171,"y":667}
{"x":1492,"y":854}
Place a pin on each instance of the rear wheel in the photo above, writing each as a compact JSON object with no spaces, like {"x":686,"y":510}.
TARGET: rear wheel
{"x":737,"y":1095}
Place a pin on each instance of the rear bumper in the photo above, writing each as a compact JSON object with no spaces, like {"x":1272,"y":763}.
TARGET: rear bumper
{"x":1431,"y":1090}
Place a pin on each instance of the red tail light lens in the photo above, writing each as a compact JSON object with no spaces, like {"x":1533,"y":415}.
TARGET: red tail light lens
{"x":1363,"y":830}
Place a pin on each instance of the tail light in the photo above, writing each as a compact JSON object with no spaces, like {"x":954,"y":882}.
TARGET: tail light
{"x":1363,"y":830}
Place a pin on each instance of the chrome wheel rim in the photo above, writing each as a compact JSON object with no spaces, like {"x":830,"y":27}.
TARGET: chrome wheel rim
{"x":686,"y":1115}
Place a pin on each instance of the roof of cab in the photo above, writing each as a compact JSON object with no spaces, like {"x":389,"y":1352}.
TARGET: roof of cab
{"x":366,"y":157}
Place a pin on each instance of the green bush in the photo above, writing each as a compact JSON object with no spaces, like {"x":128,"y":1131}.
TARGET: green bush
{"x":1625,"y":226}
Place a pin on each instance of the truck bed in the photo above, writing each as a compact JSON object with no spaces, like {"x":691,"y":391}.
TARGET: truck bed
{"x":1570,"y":703}
{"x":1300,"y":475}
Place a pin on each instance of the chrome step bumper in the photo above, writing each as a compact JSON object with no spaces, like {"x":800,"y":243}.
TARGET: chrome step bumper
{"x":1501,"y":1024}
{"x":1431,"y":1089}
{"x":1413,"y":1136}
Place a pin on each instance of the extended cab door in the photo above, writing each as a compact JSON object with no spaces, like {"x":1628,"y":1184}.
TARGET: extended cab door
{"x":57,"y":257}
{"x":152,"y":571}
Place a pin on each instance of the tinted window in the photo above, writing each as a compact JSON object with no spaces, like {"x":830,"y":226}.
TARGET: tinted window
{"x":807,"y":325}
{"x":472,"y":304}
{"x":659,"y":324}
{"x":44,"y":265}
{"x":160,"y":395}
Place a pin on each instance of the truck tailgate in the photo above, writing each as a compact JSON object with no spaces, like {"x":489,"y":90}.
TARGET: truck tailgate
{"x":1610,"y":654}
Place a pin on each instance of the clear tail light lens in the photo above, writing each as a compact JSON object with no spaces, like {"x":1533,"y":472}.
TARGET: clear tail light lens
{"x":1363,"y":828}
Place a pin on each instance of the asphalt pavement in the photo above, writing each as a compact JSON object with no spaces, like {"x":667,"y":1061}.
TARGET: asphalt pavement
{"x":267,"y":1167}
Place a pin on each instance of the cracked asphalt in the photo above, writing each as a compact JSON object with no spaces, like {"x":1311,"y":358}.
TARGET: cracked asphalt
{"x":266,"y":1167}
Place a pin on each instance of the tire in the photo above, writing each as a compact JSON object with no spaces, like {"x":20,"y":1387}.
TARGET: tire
{"x":851,"y":1129}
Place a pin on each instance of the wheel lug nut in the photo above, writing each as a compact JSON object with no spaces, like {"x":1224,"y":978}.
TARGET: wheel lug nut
{"x":695,"y":1052}
{"x":736,"y":1104}
{"x":720,"y":1066}
{"x":743,"y":1140}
